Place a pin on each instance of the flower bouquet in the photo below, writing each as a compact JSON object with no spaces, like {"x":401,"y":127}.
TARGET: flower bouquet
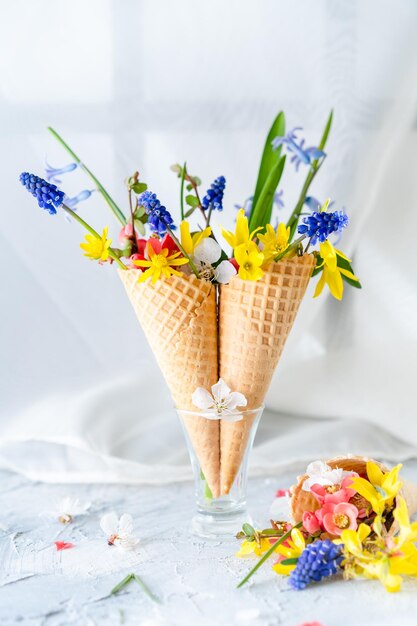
{"x":216,"y":305}
{"x":349,"y":516}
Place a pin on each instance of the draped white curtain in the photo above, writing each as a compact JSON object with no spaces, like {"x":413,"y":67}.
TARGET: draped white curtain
{"x":141,"y":85}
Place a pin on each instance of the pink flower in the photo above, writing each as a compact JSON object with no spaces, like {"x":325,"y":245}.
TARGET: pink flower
{"x":281,"y":493}
{"x":63,"y":545}
{"x":334,"y":493}
{"x":311,"y":523}
{"x":335,"y":518}
{"x":311,"y":624}
{"x":125,"y":233}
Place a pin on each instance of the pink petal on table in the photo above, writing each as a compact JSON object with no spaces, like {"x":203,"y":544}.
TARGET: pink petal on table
{"x":281,"y":493}
{"x":63,"y":545}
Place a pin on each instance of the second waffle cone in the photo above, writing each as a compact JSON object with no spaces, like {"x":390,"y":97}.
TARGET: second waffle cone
{"x":255,"y":319}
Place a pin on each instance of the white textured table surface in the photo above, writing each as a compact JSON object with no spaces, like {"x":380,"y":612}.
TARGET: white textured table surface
{"x":195,"y":580}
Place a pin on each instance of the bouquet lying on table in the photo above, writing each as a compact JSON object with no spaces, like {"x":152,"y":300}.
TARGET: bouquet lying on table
{"x":216,"y":317}
{"x":349,"y":515}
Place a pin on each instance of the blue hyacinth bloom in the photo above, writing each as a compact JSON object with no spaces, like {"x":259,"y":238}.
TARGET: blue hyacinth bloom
{"x":319,"y":225}
{"x":158,"y":216}
{"x":317,"y":561}
{"x":49,"y":197}
{"x":213,"y":199}
{"x":52,"y":173}
{"x":299,"y":152}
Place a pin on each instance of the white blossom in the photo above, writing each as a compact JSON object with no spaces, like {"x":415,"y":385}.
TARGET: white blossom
{"x":119,"y":532}
{"x":65,"y":509}
{"x":221,"y":403}
{"x":319,"y":473}
{"x":208,"y":252}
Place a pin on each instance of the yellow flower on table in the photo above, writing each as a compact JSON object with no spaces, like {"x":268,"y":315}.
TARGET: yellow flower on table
{"x":291,"y":549}
{"x":253,"y":547}
{"x":241,"y":235}
{"x":190,"y":241}
{"x":381,"y":487}
{"x":250,"y":261}
{"x":97,"y":248}
{"x":275,"y":242}
{"x":332,"y":273}
{"x":160,"y":264}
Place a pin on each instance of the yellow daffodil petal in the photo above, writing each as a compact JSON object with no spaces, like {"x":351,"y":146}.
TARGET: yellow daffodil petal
{"x":335,"y":283}
{"x":374,"y":473}
{"x":320,"y":285}
{"x":298,"y":539}
{"x":186,"y":239}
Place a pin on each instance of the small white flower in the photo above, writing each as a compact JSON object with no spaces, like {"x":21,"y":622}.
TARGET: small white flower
{"x":319,"y":473}
{"x":221,"y":403}
{"x":208,"y":252}
{"x":65,"y":509}
{"x":119,"y":532}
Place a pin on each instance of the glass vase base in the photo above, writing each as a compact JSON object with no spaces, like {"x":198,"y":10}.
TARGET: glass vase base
{"x":224,"y":526}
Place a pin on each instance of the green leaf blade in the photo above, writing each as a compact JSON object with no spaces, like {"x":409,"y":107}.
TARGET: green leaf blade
{"x":269,"y":156}
{"x":261,"y":213}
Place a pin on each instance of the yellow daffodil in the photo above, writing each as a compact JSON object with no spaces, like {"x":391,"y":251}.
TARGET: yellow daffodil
{"x":275,"y":242}
{"x":160,"y":264}
{"x":190,"y":241}
{"x":250,"y":261}
{"x":385,"y":557}
{"x":253,"y":547}
{"x":97,"y":248}
{"x":380,"y":489}
{"x":241,"y":234}
{"x":332,"y":273}
{"x":291,"y":549}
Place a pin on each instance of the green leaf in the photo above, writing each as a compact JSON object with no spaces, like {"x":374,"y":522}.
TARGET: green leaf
{"x":261,"y":213}
{"x":289,"y":562}
{"x":207,"y":491}
{"x":189,"y":212}
{"x":344,"y":264}
{"x":139,"y":188}
{"x":248,"y":529}
{"x":189,"y":187}
{"x":139,"y":212}
{"x":183,"y":172}
{"x":191,"y":201}
{"x":177,"y":169}
{"x":145,"y":588}
{"x":121,"y":584}
{"x":270,"y":532}
{"x":139,"y":226}
{"x":196,"y":180}
{"x":270,"y":157}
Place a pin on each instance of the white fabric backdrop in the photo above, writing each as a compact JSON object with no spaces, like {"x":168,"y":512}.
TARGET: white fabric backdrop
{"x":140,"y":85}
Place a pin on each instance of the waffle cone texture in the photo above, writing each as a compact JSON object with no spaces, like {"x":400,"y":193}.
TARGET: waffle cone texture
{"x":195,"y":341}
{"x":179,"y":319}
{"x":302,"y":501}
{"x":255,"y":319}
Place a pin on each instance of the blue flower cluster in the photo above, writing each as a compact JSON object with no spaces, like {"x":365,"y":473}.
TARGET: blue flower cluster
{"x":319,"y":225}
{"x":299,"y":152}
{"x":318,"y":560}
{"x":49,"y":197}
{"x":158,"y":216}
{"x":214,"y":196}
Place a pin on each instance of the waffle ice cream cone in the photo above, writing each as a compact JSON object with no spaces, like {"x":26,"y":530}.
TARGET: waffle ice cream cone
{"x":302,"y":501}
{"x":179,"y":318}
{"x":255,"y":319}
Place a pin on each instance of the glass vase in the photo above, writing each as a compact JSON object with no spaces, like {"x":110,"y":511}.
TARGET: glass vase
{"x":223,"y":516}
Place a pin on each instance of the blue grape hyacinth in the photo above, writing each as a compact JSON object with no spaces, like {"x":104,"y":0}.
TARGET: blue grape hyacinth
{"x":319,"y":225}
{"x":214,"y":195}
{"x":158,"y":216}
{"x":317,"y":561}
{"x":49,"y":197}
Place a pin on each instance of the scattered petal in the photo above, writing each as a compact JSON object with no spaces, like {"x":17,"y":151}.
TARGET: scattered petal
{"x":63,"y":545}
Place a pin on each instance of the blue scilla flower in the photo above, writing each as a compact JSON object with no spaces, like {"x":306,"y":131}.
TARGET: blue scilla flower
{"x":299,"y":152}
{"x":80,"y":197}
{"x":318,"y":560}
{"x":214,"y":195}
{"x":319,"y":225}
{"x":49,"y":197}
{"x":158,"y":216}
{"x":52,"y":173}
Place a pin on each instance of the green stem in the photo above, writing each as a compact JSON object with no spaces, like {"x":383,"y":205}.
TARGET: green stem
{"x":267,"y":555}
{"x":315,"y":166}
{"x":146,"y":588}
{"x":117,"y":212}
{"x":93,"y":232}
{"x":121,"y":584}
{"x":290,"y":247}
{"x":183,"y":173}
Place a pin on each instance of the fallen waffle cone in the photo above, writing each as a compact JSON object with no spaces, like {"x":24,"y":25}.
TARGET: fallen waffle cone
{"x":178,"y":316}
{"x":255,"y":319}
{"x":302,"y":501}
